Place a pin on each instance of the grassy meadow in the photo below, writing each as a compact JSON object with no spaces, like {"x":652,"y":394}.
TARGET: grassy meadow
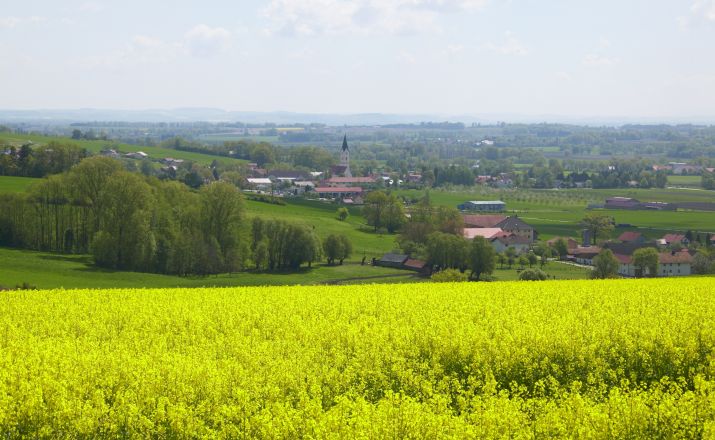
{"x":53,"y":271}
{"x":95,"y":146}
{"x":12,"y":184}
{"x":558,"y":212}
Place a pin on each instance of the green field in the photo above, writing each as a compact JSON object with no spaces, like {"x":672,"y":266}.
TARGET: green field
{"x":97,"y":146}
{"x":322,"y":217}
{"x":685,"y":181}
{"x":557,"y":213}
{"x":626,"y":359}
{"x":11,"y":184}
{"x":50,"y":271}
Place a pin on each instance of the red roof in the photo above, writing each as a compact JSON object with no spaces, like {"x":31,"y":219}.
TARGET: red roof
{"x":338,"y":189}
{"x":351,"y":180}
{"x":673,"y":238}
{"x":585,"y":250}
{"x":623,"y":259}
{"x":415,"y":264}
{"x":676,"y":257}
{"x":488,"y":233}
{"x":630,"y":236}
{"x":483,"y":221}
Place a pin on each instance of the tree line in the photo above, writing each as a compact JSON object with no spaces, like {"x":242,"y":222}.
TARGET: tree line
{"x":53,"y":158}
{"x":129,"y":221}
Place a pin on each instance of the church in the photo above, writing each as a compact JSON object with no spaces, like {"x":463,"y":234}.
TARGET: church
{"x":343,"y":170}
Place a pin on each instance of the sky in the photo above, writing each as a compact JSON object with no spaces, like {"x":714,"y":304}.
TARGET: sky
{"x":612,"y":58}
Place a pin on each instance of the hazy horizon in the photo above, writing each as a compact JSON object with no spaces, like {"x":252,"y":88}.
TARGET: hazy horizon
{"x":645,"y":61}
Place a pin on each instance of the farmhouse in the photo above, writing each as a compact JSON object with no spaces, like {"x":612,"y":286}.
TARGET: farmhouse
{"x":483,"y":205}
{"x":670,"y":264}
{"x":338,"y":192}
{"x":570,"y":242}
{"x":138,"y":155}
{"x":488,"y":233}
{"x":671,"y":239}
{"x":260,"y":183}
{"x":482,"y":221}
{"x":346,"y":181}
{"x":621,"y":203}
{"x":514,"y":225}
{"x":631,"y":237}
{"x":392,"y":260}
{"x":584,"y":254}
{"x":501,"y":243}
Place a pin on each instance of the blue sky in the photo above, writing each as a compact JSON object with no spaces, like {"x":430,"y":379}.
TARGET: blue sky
{"x":575,"y":58}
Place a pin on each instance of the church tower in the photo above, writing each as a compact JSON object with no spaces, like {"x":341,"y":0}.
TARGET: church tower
{"x":345,"y":157}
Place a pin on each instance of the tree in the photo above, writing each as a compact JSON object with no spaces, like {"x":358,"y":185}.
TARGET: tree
{"x":646,"y":262}
{"x":605,"y":265}
{"x":597,"y":225}
{"x":532,"y":275}
{"x":394,"y":214}
{"x":703,"y":263}
{"x":448,"y":276}
{"x":561,"y":247}
{"x":510,"y":254}
{"x":342,"y":213}
{"x":337,"y":247}
{"x":447,"y":251}
{"x":76,"y":134}
{"x":482,"y":257}
{"x":374,"y":209}
{"x":523,"y":261}
{"x":222,"y":213}
{"x":533,"y":259}
{"x":502,"y":260}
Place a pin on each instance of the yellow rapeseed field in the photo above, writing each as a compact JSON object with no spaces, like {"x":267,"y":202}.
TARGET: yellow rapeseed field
{"x":577,"y":359}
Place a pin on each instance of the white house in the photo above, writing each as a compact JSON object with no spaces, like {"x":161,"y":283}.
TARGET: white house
{"x":670,"y":264}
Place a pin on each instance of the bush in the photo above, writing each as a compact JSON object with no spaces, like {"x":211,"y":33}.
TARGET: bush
{"x":532,"y":275}
{"x":449,"y":276}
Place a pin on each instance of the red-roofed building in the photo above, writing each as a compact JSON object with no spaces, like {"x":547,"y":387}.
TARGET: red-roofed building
{"x":670,"y":264}
{"x":631,"y":237}
{"x":671,"y":239}
{"x":482,"y":221}
{"x":349,"y":180}
{"x":337,"y":192}
{"x":488,"y":233}
{"x":416,"y":265}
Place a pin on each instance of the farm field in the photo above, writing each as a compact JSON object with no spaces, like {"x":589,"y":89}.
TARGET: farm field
{"x":50,"y":271}
{"x":596,"y":359}
{"x":557,"y":213}
{"x":322,"y":216}
{"x":97,"y":146}
{"x":12,"y":184}
{"x":685,"y":181}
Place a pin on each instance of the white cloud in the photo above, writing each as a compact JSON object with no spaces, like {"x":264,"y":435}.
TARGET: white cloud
{"x":205,"y":41}
{"x":704,"y":9}
{"x":362,"y":17}
{"x":454,"y":49}
{"x":564,"y":76}
{"x":509,"y":46}
{"x":407,"y":57}
{"x":91,"y":6}
{"x":12,"y":22}
{"x":596,"y":60}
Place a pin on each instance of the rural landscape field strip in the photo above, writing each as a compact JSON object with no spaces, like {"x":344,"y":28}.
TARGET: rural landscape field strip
{"x":595,"y":359}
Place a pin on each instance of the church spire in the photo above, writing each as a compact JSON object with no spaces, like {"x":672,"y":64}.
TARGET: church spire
{"x":345,"y":143}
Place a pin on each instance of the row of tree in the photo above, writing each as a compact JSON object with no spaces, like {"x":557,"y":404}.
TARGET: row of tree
{"x":26,"y":161}
{"x":128,"y":221}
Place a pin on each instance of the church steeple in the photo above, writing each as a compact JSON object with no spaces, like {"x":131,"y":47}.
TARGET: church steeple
{"x":345,"y":157}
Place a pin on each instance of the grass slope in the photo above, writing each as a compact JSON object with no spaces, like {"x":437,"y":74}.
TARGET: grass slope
{"x":49,"y":271}
{"x":604,"y":359}
{"x":15,"y":184}
{"x":97,"y":146}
